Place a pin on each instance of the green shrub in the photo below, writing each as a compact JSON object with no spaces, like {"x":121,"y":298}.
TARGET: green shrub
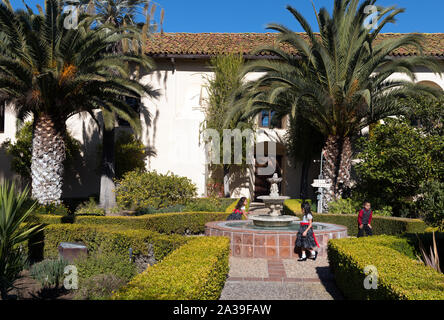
{"x":118,"y":265}
{"x":167,"y":223}
{"x":431,"y":203}
{"x":196,"y":271}
{"x":380,"y":224}
{"x":130,"y":154}
{"x":293,"y":206}
{"x":211,"y":204}
{"x":399,"y":276}
{"x":151,"y":210}
{"x":52,"y":209}
{"x":397,"y":158}
{"x":193,"y":205}
{"x":138,"y":190}
{"x":90,"y":207}
{"x":109,"y":239}
{"x":344,"y":206}
{"x":99,"y":287}
{"x":49,"y":272}
{"x":385,"y":211}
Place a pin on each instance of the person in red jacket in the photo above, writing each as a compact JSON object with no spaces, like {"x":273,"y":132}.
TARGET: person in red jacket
{"x":364,"y":220}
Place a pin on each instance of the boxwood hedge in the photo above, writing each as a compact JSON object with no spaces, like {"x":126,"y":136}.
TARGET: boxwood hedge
{"x":400,"y":277}
{"x":381,"y":225}
{"x":104,"y":239}
{"x":167,"y":223}
{"x":195,"y":271}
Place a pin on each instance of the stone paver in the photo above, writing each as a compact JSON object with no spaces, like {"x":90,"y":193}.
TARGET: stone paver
{"x":307,"y":269}
{"x":256,"y":268}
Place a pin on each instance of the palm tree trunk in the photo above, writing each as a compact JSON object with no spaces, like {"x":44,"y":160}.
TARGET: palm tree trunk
{"x":329,"y":169}
{"x":226,"y":181}
{"x":48,"y":154}
{"x":344,"y":177}
{"x":337,"y":167}
{"x":107,"y":186}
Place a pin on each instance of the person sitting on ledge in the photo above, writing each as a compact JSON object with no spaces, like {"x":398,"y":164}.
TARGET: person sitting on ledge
{"x":306,"y":239}
{"x":239,"y":210}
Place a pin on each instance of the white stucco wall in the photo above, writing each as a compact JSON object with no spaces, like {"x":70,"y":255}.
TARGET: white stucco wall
{"x":172,"y":130}
{"x":8,"y":134}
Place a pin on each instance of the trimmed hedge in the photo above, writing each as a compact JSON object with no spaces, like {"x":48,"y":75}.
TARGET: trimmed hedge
{"x":195,"y":271}
{"x":381,"y":225}
{"x":399,"y":276}
{"x":293,"y":206}
{"x":167,"y":223}
{"x":108,"y":240}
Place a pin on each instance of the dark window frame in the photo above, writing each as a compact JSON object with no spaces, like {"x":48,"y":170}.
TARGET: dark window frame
{"x":270,"y":118}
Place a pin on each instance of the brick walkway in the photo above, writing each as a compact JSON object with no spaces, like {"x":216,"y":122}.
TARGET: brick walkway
{"x":283,"y":279}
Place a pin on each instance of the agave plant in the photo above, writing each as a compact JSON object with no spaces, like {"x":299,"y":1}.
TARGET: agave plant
{"x":52,"y":73}
{"x":340,"y":79}
{"x":15,"y":208}
{"x":430,"y":259}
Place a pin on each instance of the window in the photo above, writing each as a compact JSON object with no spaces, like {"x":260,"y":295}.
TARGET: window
{"x":135,"y":105}
{"x":269,"y":119}
{"x":2,"y":118}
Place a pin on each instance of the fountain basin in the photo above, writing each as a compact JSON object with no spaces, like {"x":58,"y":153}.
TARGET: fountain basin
{"x":273,"y":199}
{"x":272,"y":221}
{"x":275,"y":204}
{"x":248,"y":240}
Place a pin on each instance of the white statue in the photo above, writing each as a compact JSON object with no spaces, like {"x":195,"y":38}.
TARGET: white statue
{"x":274,"y":189}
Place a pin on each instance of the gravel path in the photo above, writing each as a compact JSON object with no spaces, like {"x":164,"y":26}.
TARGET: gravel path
{"x":287,"y":279}
{"x":260,"y":290}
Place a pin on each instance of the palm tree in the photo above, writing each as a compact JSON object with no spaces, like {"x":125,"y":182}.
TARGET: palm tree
{"x":122,"y":15}
{"x":337,"y":79}
{"x":220,"y":86}
{"x":52,"y":73}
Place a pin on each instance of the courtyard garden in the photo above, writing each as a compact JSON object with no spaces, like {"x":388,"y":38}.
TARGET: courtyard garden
{"x":149,"y":235}
{"x":166,"y":255}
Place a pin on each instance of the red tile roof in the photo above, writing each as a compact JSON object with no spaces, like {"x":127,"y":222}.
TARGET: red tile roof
{"x":204,"y":44}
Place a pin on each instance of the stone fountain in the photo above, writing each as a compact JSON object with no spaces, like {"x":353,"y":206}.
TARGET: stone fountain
{"x":275,"y":203}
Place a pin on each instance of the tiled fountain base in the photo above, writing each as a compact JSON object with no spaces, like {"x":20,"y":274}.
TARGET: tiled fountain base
{"x":248,"y":242}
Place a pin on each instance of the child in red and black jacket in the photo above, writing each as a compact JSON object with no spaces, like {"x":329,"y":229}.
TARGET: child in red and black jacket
{"x":364,"y":220}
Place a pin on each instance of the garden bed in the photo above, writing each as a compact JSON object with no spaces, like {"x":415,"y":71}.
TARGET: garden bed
{"x":196,"y":271}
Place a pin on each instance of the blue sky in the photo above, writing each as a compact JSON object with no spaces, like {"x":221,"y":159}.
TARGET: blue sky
{"x":253,"y":15}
